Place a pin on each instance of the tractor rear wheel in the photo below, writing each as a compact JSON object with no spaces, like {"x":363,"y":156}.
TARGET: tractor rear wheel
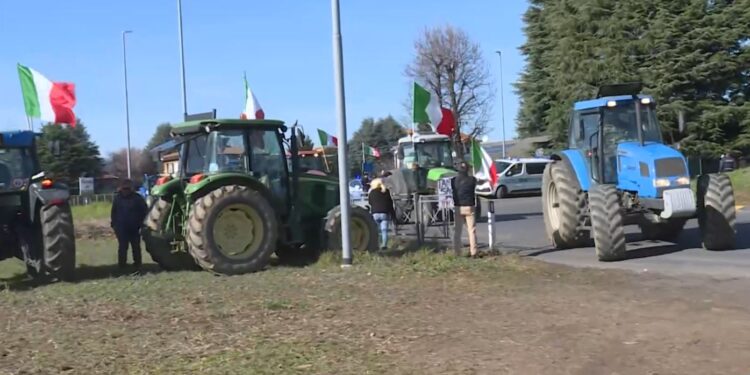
{"x":563,"y":205}
{"x":666,"y":231}
{"x":58,"y":241}
{"x":232,"y":230}
{"x":363,"y":230}
{"x":158,"y":239}
{"x":607,"y":223}
{"x":716,"y":211}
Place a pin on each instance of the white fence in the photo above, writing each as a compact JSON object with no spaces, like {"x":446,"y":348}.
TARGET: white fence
{"x":82,"y":200}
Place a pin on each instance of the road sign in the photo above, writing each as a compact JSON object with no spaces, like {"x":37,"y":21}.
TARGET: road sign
{"x":86,"y":185}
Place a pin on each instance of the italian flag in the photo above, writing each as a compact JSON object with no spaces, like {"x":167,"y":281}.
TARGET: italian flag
{"x":484,"y":166}
{"x":253,"y":109}
{"x":427,"y":110}
{"x":49,"y":101}
{"x":371,"y":151}
{"x":327,"y":139}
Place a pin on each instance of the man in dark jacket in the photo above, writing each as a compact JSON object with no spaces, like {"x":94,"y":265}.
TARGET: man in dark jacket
{"x":128,"y":211}
{"x":463,"y":187}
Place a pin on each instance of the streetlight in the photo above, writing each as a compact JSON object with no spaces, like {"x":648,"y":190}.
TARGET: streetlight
{"x":182,"y":60}
{"x":127,"y":110}
{"x":502,"y":101}
{"x":338,"y":72}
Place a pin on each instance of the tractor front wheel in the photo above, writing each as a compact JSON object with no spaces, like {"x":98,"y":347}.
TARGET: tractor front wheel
{"x":158,"y":239}
{"x":563,"y":205}
{"x":607,"y":223}
{"x":232,"y":230}
{"x":716,"y":211}
{"x":363,"y":230}
{"x":58,"y":241}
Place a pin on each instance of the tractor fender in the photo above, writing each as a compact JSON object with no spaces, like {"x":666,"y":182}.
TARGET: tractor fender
{"x":55,"y":195}
{"x":580,"y":167}
{"x":167,"y":189}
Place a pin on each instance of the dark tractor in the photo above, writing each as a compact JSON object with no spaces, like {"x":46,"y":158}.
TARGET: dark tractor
{"x":240,"y":196}
{"x":36,"y":224}
{"x":617,"y":171}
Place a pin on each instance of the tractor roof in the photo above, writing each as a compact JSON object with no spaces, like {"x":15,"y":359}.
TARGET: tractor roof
{"x":198,"y":125}
{"x":418,"y":137}
{"x":602,"y":102}
{"x":22,"y":138}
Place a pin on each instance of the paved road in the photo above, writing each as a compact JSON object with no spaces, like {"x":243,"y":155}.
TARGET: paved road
{"x":520,"y":228}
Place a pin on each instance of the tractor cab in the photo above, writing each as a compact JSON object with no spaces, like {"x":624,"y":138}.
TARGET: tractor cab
{"x":422,"y":158}
{"x":17,"y":160}
{"x":619,"y":138}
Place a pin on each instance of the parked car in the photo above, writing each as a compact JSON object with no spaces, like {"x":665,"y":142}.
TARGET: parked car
{"x":515,"y":176}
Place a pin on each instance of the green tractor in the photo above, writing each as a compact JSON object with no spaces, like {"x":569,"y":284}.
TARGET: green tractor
{"x":36,"y":224}
{"x":238,"y":199}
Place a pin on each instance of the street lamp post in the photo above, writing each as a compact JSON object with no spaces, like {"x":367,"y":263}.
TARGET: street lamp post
{"x":127,"y":109}
{"x":182,"y":60}
{"x":502,"y":101}
{"x":338,"y":70}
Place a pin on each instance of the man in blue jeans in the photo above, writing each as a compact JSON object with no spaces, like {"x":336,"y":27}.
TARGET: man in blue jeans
{"x":381,"y":207}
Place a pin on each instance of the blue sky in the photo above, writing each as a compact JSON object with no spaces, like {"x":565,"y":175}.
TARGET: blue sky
{"x":284,"y":46}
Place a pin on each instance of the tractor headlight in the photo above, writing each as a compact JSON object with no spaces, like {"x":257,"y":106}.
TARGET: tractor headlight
{"x":683,"y":181}
{"x":661,"y":182}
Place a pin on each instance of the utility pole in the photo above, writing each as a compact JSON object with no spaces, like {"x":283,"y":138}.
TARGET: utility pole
{"x":182,"y":60}
{"x":127,"y":107}
{"x":338,"y":72}
{"x":502,"y":101}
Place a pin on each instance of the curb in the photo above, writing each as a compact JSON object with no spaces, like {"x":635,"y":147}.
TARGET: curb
{"x":739,"y":207}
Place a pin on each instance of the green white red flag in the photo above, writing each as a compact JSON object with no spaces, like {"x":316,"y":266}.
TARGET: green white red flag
{"x":253,"y":110}
{"x":484,"y":166}
{"x":46,"y":100}
{"x":371,"y":151}
{"x":428,"y":110}
{"x":327,"y":139}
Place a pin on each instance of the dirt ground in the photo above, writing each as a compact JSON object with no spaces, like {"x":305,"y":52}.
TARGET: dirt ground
{"x":419,"y":313}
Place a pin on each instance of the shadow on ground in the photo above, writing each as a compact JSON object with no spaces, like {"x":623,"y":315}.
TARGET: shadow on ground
{"x":83,"y":273}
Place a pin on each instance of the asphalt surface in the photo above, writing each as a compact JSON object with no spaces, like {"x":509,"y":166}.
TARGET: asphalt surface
{"x":519,"y":228}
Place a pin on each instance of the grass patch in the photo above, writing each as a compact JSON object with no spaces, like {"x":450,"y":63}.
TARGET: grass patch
{"x":287,"y":319}
{"x":92,"y":212}
{"x":741,"y":183}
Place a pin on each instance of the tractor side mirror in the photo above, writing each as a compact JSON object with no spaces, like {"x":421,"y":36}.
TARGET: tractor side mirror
{"x":54,"y":147}
{"x":581,"y":130}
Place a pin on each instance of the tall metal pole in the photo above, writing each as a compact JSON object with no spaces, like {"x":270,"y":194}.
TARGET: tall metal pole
{"x":502,"y":101}
{"x":182,"y":60}
{"x":338,"y":71}
{"x":127,"y":107}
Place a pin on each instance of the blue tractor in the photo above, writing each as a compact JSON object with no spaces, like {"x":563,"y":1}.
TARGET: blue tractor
{"x":36,"y":224}
{"x":617,"y":171}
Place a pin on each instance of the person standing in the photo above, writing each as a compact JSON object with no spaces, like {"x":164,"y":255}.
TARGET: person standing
{"x":381,"y":207}
{"x":128,"y":212}
{"x":463,"y":188}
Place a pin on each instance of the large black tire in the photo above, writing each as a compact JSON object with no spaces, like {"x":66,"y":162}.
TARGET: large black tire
{"x":58,"y":241}
{"x":158,"y":239}
{"x":666,"y":231}
{"x":239,"y":201}
{"x":717,"y":214}
{"x":364,"y":230}
{"x":564,"y":206}
{"x":607,"y":223}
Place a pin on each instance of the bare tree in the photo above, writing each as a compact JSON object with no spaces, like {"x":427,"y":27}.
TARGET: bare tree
{"x":117,"y":164}
{"x":452,"y":66}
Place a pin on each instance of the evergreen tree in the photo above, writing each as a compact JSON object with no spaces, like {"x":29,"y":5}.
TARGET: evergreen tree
{"x":78,"y":157}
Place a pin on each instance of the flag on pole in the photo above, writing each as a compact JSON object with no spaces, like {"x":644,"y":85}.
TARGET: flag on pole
{"x":49,"y":101}
{"x":253,"y":109}
{"x":427,"y":110}
{"x":372,"y":151}
{"x":484,"y":166}
{"x":327,"y":139}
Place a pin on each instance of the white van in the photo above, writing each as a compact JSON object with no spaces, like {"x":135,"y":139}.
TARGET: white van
{"x":515,"y":176}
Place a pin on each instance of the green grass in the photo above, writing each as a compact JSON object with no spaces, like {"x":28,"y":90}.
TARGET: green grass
{"x":741,"y":183}
{"x":286,"y":319}
{"x":92,"y":212}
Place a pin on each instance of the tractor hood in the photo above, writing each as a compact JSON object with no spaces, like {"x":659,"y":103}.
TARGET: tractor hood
{"x":650,"y":169}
